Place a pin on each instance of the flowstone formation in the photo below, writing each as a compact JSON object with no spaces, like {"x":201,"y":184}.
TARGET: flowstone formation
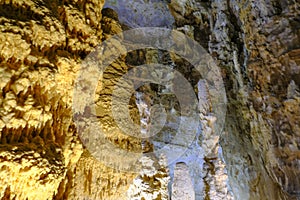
{"x":40,"y":53}
{"x":256,"y":45}
{"x":42,"y":46}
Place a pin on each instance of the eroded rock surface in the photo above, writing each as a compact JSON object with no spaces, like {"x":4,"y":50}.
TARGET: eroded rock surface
{"x":42,"y":44}
{"x":182,"y":186}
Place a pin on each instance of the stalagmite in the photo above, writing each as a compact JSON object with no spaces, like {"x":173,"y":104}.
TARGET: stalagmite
{"x":255,"y":45}
{"x":182,"y":186}
{"x":153,"y":179}
{"x":215,"y":177}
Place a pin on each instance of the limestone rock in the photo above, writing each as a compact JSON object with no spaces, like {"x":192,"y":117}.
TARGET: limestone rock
{"x":182,"y":187}
{"x":256,"y":46}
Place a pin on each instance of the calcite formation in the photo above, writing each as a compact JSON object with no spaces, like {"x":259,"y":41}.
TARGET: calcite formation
{"x":42,"y":46}
{"x":256,"y":45}
{"x":253,"y":42}
{"x":182,"y":187}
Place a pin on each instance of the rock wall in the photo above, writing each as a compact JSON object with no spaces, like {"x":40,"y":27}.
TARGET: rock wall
{"x":261,"y":68}
{"x":42,"y":44}
{"x":256,"y":44}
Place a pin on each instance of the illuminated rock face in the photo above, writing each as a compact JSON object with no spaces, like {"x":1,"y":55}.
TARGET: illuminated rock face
{"x":40,"y":53}
{"x":142,"y":13}
{"x":256,"y":45}
{"x":42,"y":45}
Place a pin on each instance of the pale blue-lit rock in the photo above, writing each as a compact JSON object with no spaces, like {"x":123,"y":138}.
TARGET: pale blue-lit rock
{"x":142,"y":13}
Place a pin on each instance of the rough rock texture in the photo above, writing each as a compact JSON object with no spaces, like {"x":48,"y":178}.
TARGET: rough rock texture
{"x":93,"y":180}
{"x":262,"y":129}
{"x":256,"y":44}
{"x":182,"y":186}
{"x":152,"y":182}
{"x":141,"y":13}
{"x":214,"y":172}
{"x":42,"y":46}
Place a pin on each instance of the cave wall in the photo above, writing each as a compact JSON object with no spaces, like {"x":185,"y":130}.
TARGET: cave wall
{"x":261,"y":41}
{"x":42,"y":46}
{"x":256,"y":45}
